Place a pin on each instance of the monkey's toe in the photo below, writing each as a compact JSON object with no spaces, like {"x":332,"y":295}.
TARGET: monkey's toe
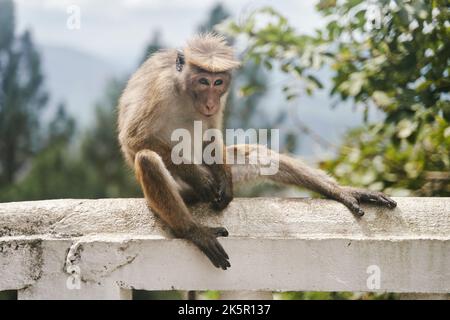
{"x":218,"y":256}
{"x":355,"y":209}
{"x":359,"y":212}
{"x":390,"y":203}
{"x":374,"y":197}
{"x":378,"y":198}
{"x":206,"y":240}
{"x":352,"y":203}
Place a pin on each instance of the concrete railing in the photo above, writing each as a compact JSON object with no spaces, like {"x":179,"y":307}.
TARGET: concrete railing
{"x":104,"y":248}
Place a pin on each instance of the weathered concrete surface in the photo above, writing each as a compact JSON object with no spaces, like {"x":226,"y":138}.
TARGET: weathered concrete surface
{"x":113,"y":245}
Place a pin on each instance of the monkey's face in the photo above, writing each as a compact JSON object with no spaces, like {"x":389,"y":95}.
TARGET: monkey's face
{"x":206,"y":89}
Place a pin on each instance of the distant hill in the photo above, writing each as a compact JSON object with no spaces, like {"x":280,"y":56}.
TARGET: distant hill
{"x":76,"y":78}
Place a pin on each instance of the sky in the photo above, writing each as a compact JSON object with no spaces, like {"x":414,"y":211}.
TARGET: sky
{"x":117,"y":30}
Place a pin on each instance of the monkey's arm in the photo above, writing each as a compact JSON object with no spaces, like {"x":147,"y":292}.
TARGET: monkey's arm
{"x":295,"y":172}
{"x":160,"y":190}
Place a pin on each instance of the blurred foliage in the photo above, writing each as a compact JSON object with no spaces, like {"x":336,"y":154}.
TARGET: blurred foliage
{"x":216,"y":15}
{"x":390,"y":55}
{"x":53,"y":173}
{"x":315,"y":295}
{"x":8,"y":295}
{"x":100,"y":151}
{"x":22,"y":97}
{"x":157,"y":295}
{"x":91,"y":168}
{"x":8,"y":23}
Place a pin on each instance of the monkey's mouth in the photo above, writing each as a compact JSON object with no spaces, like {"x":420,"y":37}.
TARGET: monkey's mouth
{"x":207,"y":115}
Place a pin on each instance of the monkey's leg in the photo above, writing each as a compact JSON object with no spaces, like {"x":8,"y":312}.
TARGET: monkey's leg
{"x":198,"y":177}
{"x":160,"y":190}
{"x":189,"y":196}
{"x":295,"y":172}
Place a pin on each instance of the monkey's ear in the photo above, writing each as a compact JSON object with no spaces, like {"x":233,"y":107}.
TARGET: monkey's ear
{"x":180,"y":61}
{"x":210,"y":52}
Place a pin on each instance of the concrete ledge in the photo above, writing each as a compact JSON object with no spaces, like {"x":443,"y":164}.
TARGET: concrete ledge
{"x":103,"y":248}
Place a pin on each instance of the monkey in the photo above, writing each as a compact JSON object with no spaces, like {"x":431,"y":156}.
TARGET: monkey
{"x":174,"y":88}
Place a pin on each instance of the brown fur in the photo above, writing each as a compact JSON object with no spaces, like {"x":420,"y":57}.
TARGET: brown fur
{"x":210,"y":52}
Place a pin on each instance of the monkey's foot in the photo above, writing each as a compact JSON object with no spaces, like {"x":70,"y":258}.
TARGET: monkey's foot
{"x":352,"y":198}
{"x":205,"y":238}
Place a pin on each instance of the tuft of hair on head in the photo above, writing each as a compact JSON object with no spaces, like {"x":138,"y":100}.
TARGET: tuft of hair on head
{"x":210,"y":52}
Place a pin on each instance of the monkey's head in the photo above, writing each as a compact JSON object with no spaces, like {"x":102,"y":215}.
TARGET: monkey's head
{"x":209,"y":61}
{"x":206,"y":89}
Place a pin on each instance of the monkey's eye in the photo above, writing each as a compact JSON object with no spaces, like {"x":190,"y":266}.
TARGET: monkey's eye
{"x":218,"y":82}
{"x":204,"y":81}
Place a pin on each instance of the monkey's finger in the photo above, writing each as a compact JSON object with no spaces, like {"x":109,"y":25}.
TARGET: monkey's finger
{"x":220,"y":193}
{"x":222,"y":204}
{"x":219,"y":231}
{"x":391,"y":203}
{"x":217,"y":205}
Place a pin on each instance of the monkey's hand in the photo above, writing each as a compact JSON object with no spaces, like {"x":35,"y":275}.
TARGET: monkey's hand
{"x":224,"y":191}
{"x":224,"y":195}
{"x":213,"y":189}
{"x":205,"y":238}
{"x":206,"y":187}
{"x":352,"y":197}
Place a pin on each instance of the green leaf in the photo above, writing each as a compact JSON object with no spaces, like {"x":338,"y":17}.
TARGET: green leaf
{"x":381,"y":99}
{"x":315,"y":81}
{"x":405,"y":128}
{"x":268,"y":64}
